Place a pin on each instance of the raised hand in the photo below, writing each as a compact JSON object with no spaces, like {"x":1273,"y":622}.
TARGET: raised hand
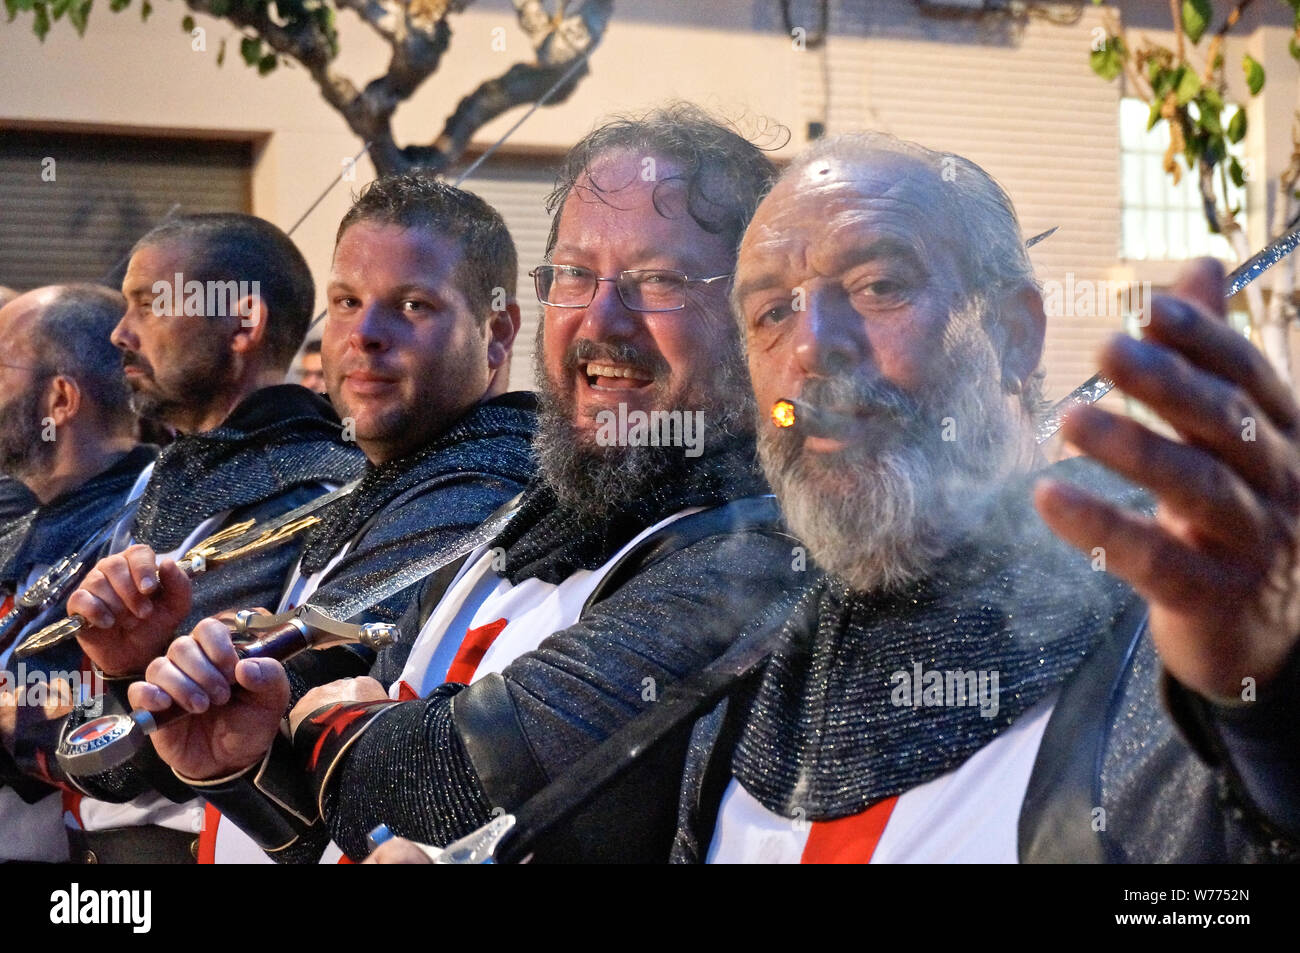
{"x":1220,"y":562}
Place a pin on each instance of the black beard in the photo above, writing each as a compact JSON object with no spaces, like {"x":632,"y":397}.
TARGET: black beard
{"x":593,"y":479}
{"x":206,"y":375}
{"x":22,"y":451}
{"x":599,"y":480}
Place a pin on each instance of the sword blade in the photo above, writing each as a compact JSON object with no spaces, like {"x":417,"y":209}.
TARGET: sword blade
{"x":1098,"y":386}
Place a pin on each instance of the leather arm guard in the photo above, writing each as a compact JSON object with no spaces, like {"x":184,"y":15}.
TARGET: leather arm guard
{"x":278,"y":801}
{"x":1252,"y":744}
{"x":271,"y":803}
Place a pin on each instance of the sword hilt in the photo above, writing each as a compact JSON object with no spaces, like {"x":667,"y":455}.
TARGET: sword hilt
{"x":109,"y":741}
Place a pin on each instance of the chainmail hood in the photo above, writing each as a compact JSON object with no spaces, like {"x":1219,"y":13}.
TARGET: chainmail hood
{"x":276,"y":438}
{"x":836,"y":723}
{"x":59,"y":527}
{"x":550,"y":542}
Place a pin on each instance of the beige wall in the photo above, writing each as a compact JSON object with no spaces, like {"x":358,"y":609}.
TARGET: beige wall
{"x":1019,"y":100}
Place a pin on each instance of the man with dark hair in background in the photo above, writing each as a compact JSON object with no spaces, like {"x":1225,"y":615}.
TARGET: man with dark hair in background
{"x":67,"y":435}
{"x":622,"y":569}
{"x":15,"y":499}
{"x":216,"y":306}
{"x":310,"y":373}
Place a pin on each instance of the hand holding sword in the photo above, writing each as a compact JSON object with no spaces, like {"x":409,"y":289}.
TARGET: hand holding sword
{"x":224,"y":698}
{"x":122,"y":593}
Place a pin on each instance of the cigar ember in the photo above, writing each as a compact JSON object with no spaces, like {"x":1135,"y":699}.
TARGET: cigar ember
{"x":812,"y":421}
{"x":783,"y":413}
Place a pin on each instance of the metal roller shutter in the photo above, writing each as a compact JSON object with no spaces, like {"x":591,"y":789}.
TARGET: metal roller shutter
{"x":75,"y":218}
{"x":517,"y":187}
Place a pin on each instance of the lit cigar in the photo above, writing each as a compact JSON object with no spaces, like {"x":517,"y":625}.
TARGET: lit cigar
{"x":812,"y":421}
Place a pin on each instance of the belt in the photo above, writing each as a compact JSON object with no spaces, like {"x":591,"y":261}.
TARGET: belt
{"x":148,"y":844}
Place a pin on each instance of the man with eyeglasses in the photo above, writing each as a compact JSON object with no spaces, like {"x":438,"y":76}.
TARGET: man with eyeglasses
{"x":628,"y":564}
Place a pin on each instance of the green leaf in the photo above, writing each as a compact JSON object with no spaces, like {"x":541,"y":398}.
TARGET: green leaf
{"x":78,"y":14}
{"x":267,"y":63}
{"x":1108,"y":62}
{"x":58,"y":8}
{"x":1294,"y":47}
{"x":221,"y":52}
{"x":187,"y":23}
{"x":1210,"y":96}
{"x":1237,"y":126}
{"x":1209,"y":120}
{"x":1189,"y":85}
{"x":1254,"y":74}
{"x":250,"y":48}
{"x":1164,"y":81}
{"x":41,"y":21}
{"x":219,"y":8}
{"x":118,"y":5}
{"x":1154,"y":117}
{"x":1234,"y":172}
{"x":146,"y":8}
{"x":1196,"y":17}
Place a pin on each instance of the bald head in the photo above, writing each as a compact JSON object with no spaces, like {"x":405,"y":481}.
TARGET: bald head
{"x":953,"y":200}
{"x":886,"y":287}
{"x":7,"y":295}
{"x":64,"y":329}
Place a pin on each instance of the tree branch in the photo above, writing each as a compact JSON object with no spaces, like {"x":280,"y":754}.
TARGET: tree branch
{"x":557,"y":44}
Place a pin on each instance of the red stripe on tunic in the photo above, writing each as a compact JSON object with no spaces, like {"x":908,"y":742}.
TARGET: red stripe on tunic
{"x":848,"y":840}
{"x":472,"y":649}
{"x":208,"y":835}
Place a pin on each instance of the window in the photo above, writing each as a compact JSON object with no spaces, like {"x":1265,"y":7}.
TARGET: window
{"x":1162,"y":221}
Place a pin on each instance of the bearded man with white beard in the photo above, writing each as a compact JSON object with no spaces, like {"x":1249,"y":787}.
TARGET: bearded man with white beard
{"x":962,"y":685}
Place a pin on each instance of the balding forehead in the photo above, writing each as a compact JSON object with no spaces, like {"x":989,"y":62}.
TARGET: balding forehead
{"x":27,"y":306}
{"x":833,"y":197}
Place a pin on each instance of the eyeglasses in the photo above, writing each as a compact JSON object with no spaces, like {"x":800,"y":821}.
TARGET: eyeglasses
{"x":655,"y":289}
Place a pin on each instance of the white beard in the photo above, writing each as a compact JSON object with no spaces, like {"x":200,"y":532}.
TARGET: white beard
{"x":879,"y":518}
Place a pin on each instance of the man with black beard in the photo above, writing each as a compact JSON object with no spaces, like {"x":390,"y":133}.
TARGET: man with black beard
{"x":963,"y":686}
{"x":620,"y":570}
{"x":216,"y":305}
{"x":67,"y":435}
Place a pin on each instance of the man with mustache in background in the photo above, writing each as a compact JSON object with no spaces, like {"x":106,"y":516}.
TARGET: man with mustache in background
{"x":216,"y":305}
{"x":68,"y":436}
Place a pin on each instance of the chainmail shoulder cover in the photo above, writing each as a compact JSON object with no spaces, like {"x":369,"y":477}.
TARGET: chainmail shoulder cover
{"x":57,"y":528}
{"x":15,"y":500}
{"x":583,"y":682}
{"x":277,"y":438}
{"x":829,"y":732}
{"x":409,"y":509}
